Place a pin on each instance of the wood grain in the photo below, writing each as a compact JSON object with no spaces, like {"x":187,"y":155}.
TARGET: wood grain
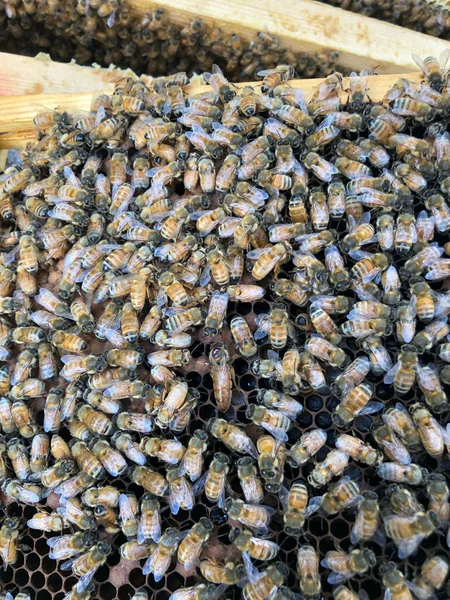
{"x":17,"y":112}
{"x":304,"y":25}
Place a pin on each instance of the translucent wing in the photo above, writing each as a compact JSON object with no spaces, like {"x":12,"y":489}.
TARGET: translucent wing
{"x":277,"y":432}
{"x":252,"y":572}
{"x":391,"y":374}
{"x":371,"y":407}
{"x":313,"y":506}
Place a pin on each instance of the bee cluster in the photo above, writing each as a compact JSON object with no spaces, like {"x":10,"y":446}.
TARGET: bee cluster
{"x":107,"y":32}
{"x":428,"y":16}
{"x":223,"y":337}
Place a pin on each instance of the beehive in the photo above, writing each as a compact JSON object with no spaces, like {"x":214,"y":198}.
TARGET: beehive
{"x":120,"y":578}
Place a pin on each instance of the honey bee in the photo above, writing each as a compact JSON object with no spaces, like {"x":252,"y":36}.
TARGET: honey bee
{"x":44,"y":521}
{"x":255,"y":547}
{"x":191,"y":546}
{"x":169,"y":451}
{"x":67,"y":546}
{"x":327,"y":352}
{"x":406,"y":321}
{"x":358,"y":450}
{"x":276,"y":325}
{"x":308,"y":571}
{"x":9,"y":536}
{"x":249,"y":480}
{"x":106,"y":496}
{"x":222,"y":374}
{"x":73,"y":513}
{"x":268,"y":259}
{"x":227,"y":574}
{"x":150,"y":480}
{"x":367,"y":520}
{"x":403,"y":373}
{"x":394,"y":582}
{"x":95,"y":420}
{"x":398,"y":419}
{"x":308,"y":445}
{"x":149,"y":526}
{"x":333,"y":465}
{"x":159,"y":561}
{"x":255,"y":517}
{"x":112,"y":461}
{"x":295,"y":503}
{"x":87,"y":564}
{"x":391,"y":445}
{"x":433,"y":436}
{"x":345,"y":566}
{"x":399,"y":473}
{"x":424,"y":301}
{"x":216,"y":478}
{"x":272,"y":455}
{"x":355,"y":403}
{"x":262,"y":585}
{"x":24,"y":420}
{"x":433,"y":574}
{"x":408,"y":532}
{"x":433,"y":69}
{"x":438,"y":493}
{"x":192,"y":460}
{"x":274,"y":421}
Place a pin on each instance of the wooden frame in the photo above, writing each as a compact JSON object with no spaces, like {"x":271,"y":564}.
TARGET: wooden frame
{"x":17,"y":112}
{"x":305,"y":25}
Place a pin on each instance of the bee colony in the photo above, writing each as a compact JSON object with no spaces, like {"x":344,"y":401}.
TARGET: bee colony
{"x":224,"y":329}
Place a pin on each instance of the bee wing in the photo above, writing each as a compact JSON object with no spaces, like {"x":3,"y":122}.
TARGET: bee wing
{"x":252,"y":572}
{"x":425,"y":377}
{"x":313,"y":505}
{"x":85,"y":581}
{"x":382,"y":357}
{"x":71,"y":177}
{"x":217,"y":69}
{"x":444,"y":58}
{"x":66,"y":565}
{"x":338,"y":577}
{"x":277,"y":432}
{"x":205,"y":277}
{"x":126,"y":509}
{"x":161,"y":297}
{"x":258,"y":252}
{"x":409,"y":546}
{"x":390,"y":375}
{"x":27,"y":496}
{"x":220,"y":589}
{"x":115,"y":338}
{"x":284,"y":497}
{"x":265,"y":72}
{"x":398,"y":451}
{"x":371,"y":407}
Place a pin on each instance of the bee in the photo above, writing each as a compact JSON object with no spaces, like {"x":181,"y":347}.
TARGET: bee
{"x":159,"y":561}
{"x":345,"y":566}
{"x":28,"y":493}
{"x":433,"y":574}
{"x":433,"y":436}
{"x":268,"y":259}
{"x":308,"y":571}
{"x":249,"y":480}
{"x":406,"y":321}
{"x":112,"y":461}
{"x":343,"y":593}
{"x":106,"y":496}
{"x":82,"y":315}
{"x":262,"y":585}
{"x":295,"y":503}
{"x":433,"y":69}
{"x":277,"y":325}
{"x":18,"y":456}
{"x":227,"y":574}
{"x":95,"y":420}
{"x":326,"y":352}
{"x":40,"y":448}
{"x":391,"y":445}
{"x":24,"y":420}
{"x":255,"y":517}
{"x":333,"y":465}
{"x":52,"y":410}
{"x":272,"y":455}
{"x":169,"y":451}
{"x":257,"y":548}
{"x":47,"y":522}
{"x":87,"y":564}
{"x":191,"y":546}
{"x":367,"y":520}
{"x":408,"y":532}
{"x":67,"y":546}
{"x":358,"y":450}
{"x":403,"y":373}
{"x":149,"y":526}
{"x":192,"y":460}
{"x":274,"y":421}
{"x":150,"y":480}
{"x":216,"y":478}
{"x":306,"y":447}
{"x":322,"y":169}
{"x":355,"y":403}
{"x":398,"y":419}
{"x":412,"y":474}
{"x":9,"y":536}
{"x":438,"y":494}
{"x":395,"y":583}
{"x":222,"y":374}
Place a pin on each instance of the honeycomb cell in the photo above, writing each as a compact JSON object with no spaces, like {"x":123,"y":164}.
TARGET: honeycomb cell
{"x":108,"y":591}
{"x":54,"y":582}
